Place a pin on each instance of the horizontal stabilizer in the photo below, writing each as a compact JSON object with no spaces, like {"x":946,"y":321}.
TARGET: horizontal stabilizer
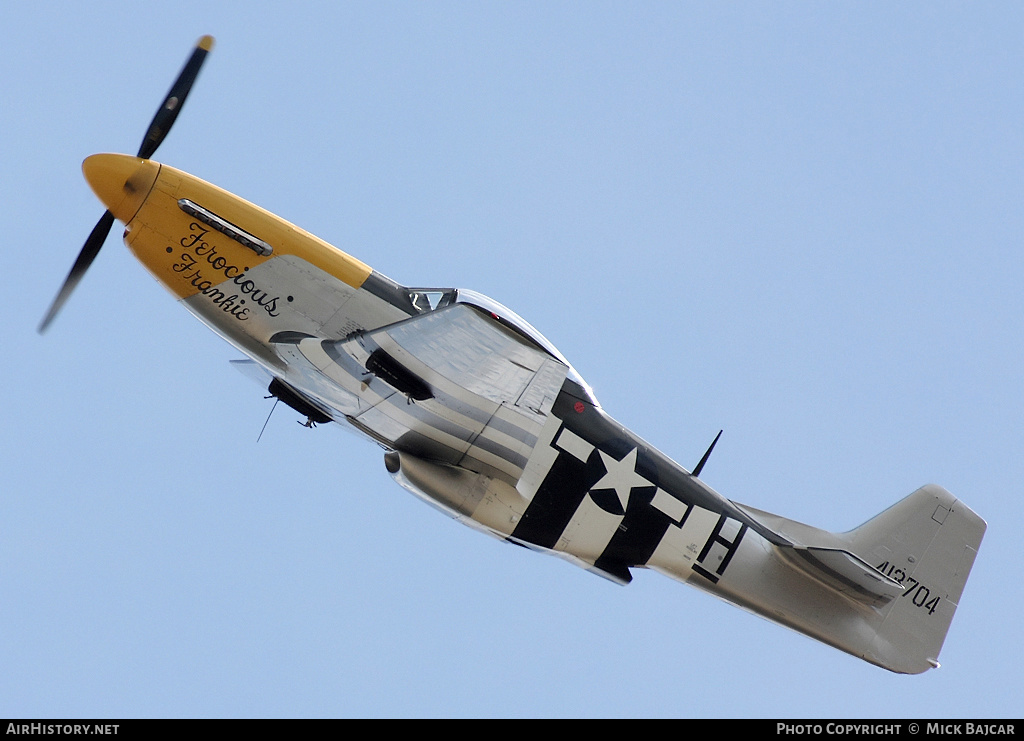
{"x":827,"y":557}
{"x":849,"y":574}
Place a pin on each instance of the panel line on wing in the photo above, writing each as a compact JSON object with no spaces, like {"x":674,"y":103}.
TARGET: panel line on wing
{"x":419,"y":418}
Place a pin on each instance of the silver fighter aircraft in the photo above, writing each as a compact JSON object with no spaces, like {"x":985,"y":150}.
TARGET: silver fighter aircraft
{"x":483,"y":418}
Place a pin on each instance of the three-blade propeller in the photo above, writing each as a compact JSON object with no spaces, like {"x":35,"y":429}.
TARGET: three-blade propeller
{"x":158,"y":128}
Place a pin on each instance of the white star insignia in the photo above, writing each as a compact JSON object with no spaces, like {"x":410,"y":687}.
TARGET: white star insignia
{"x":621,"y":476}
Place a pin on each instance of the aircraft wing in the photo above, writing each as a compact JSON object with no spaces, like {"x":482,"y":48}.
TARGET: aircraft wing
{"x":463,"y":352}
{"x":453,"y":385}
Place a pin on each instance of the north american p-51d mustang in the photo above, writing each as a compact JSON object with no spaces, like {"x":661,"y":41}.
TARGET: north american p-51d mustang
{"x":483,"y":418}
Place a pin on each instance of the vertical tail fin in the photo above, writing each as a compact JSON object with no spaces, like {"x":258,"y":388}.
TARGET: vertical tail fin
{"x":927,"y":542}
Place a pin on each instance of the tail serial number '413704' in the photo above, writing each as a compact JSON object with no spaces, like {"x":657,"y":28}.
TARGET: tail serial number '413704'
{"x":482,"y":417}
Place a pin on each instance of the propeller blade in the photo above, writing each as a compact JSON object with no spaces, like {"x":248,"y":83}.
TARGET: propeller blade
{"x":158,"y":128}
{"x":171,"y":107}
{"x":89,"y":251}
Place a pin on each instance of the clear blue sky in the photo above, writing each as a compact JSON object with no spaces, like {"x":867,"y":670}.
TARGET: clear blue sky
{"x":799,"y":222}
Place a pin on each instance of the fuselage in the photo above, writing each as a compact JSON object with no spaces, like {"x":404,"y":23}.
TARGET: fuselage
{"x":527,"y":454}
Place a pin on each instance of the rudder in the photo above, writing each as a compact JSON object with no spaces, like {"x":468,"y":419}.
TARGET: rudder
{"x":927,"y":542}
